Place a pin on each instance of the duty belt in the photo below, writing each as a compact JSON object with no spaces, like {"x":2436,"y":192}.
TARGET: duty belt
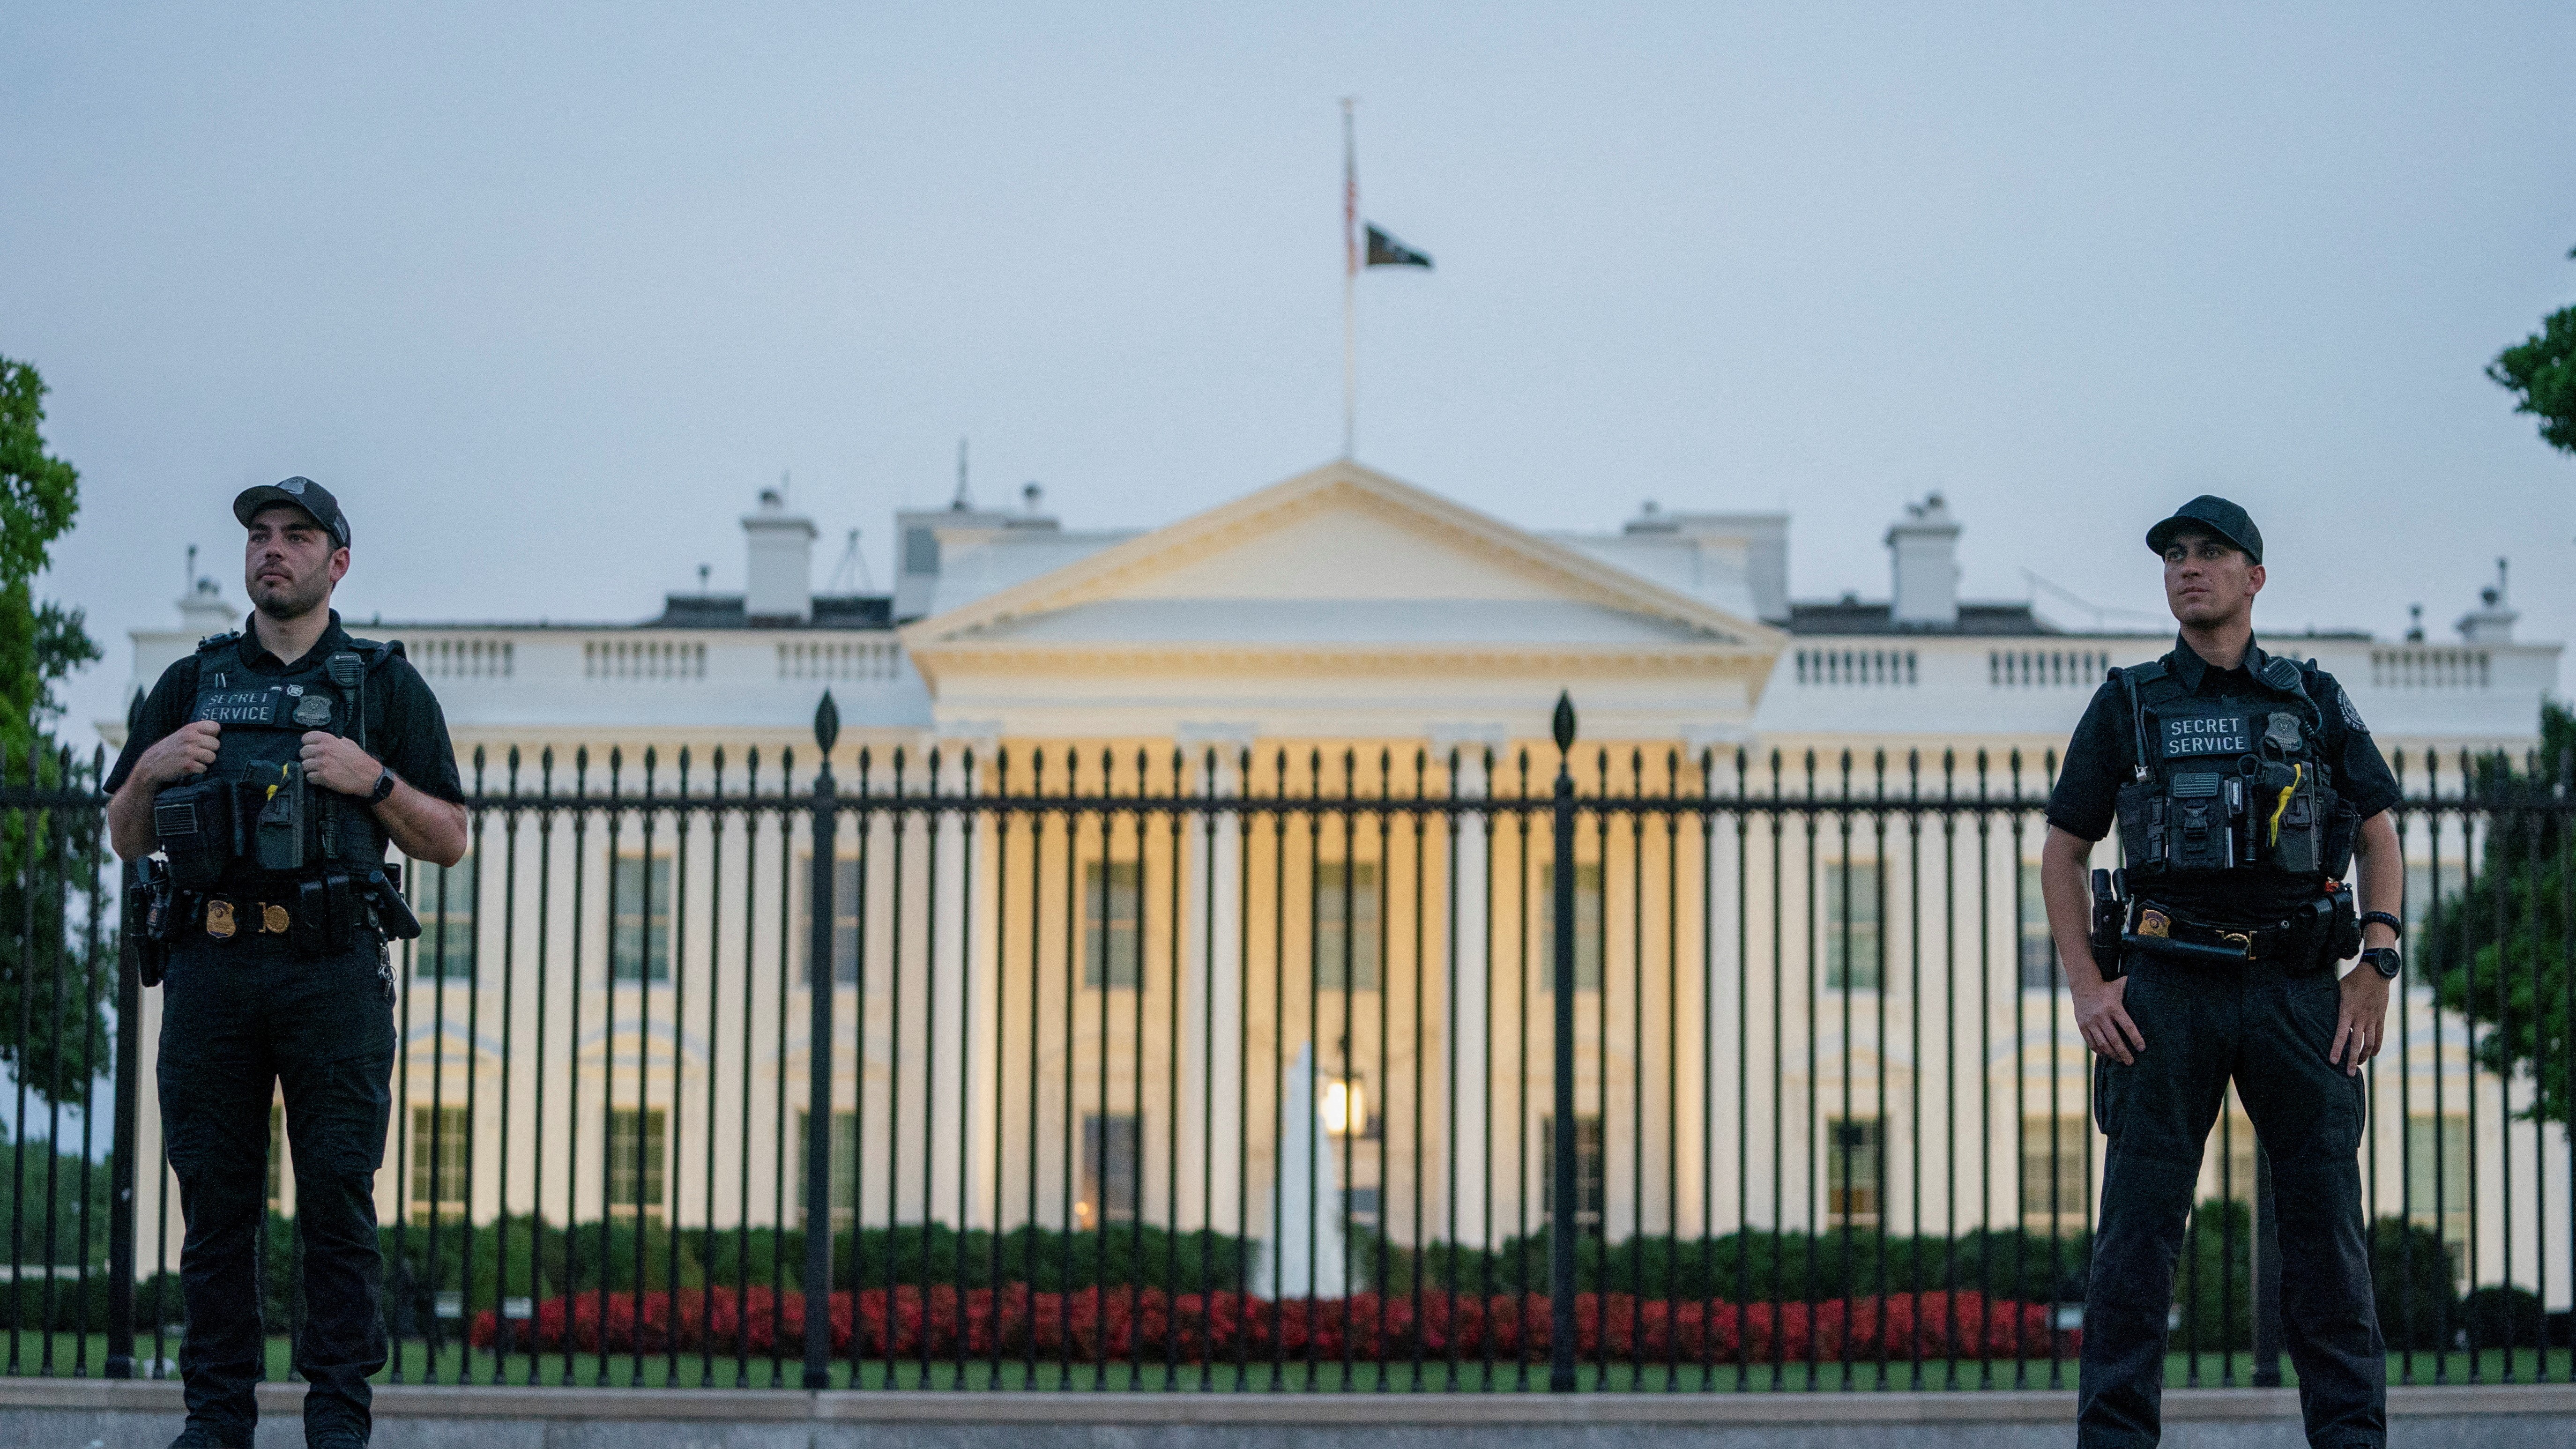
{"x":2161,"y":930}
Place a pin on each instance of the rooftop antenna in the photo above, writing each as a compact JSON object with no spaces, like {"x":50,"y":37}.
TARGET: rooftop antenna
{"x":703,"y":571}
{"x":189,"y":583}
{"x":853,"y":568}
{"x":964,"y":499}
{"x":2414,"y":623}
{"x":2102,"y":613}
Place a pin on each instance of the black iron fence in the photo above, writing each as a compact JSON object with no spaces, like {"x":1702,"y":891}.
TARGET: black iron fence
{"x":1552,"y":1067}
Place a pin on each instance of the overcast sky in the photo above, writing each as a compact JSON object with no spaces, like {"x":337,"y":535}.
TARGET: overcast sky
{"x":547,"y":293}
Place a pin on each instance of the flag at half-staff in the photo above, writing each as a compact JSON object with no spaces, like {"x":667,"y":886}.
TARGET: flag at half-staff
{"x":1386,"y":251}
{"x":1381,"y":250}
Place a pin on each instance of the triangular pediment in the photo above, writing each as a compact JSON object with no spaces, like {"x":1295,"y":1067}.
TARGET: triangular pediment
{"x":1346,"y":557}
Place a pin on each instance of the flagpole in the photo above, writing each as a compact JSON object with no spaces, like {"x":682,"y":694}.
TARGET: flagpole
{"x":1350,"y":282}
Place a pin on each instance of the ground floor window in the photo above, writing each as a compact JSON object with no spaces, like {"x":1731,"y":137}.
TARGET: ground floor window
{"x":1591,"y":1173}
{"x":441,"y":1141}
{"x":2053,"y":1170}
{"x":637,"y":1146}
{"x":1112,"y":1159}
{"x":1855,"y":1170}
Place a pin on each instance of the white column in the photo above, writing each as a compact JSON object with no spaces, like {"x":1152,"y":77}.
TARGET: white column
{"x":959,"y":1019}
{"x":1211,"y":1111}
{"x":1470,"y":968}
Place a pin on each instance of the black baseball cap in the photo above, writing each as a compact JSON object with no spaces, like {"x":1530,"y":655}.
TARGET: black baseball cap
{"x":302,"y":493}
{"x":2210,"y":514}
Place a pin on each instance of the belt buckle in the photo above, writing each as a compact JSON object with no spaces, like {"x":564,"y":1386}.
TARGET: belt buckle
{"x":2244,"y":941}
{"x":272,"y":920}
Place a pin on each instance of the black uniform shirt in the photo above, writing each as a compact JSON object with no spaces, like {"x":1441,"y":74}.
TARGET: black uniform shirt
{"x":2103,"y":753}
{"x":405,"y":727}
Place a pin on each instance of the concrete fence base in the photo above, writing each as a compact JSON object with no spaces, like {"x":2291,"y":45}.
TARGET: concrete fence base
{"x":99,"y":1414}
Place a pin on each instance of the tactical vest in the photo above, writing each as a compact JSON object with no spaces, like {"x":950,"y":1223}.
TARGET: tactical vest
{"x":2233,"y":783}
{"x":251,"y":821}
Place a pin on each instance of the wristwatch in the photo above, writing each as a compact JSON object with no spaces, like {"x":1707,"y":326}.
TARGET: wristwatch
{"x":384,"y":787}
{"x":2386,"y":960}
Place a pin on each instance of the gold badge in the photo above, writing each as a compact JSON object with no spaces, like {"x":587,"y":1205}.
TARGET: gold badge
{"x":2154,"y":923}
{"x":219,"y":920}
{"x":272,"y":920}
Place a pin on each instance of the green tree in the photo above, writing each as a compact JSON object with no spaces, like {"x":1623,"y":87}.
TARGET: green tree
{"x":56,"y":951}
{"x":2498,"y":950}
{"x":2541,"y":371}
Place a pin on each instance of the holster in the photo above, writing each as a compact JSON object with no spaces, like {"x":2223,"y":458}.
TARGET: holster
{"x":155,"y":914}
{"x":2110,"y":915}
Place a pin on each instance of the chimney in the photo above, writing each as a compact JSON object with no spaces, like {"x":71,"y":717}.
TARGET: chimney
{"x":778,"y":573}
{"x":1924,"y":549}
{"x":2492,"y":621}
{"x":202,"y":610}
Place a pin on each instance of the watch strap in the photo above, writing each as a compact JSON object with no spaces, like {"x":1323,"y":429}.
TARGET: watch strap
{"x":2386,"y":960}
{"x":384,"y":787}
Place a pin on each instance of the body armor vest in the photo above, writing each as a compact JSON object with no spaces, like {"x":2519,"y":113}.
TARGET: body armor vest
{"x":2234,"y":783}
{"x":252,"y":821}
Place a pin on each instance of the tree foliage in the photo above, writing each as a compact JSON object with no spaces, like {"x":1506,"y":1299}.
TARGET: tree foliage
{"x":2498,"y":951}
{"x":2541,"y":371}
{"x":56,"y":952}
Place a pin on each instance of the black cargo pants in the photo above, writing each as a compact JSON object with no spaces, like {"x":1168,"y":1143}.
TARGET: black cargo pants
{"x":236,"y":1017}
{"x":2269,"y":1032}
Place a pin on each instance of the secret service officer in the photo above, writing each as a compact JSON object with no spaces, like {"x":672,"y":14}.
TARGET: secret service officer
{"x":276,"y":978}
{"x":2243,"y":784}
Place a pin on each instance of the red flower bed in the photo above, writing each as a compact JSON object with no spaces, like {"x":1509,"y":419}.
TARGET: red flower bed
{"x":1150,"y":1324}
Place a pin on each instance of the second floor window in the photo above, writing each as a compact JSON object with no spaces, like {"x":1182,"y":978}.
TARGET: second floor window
{"x":1589,"y":943}
{"x":1849,"y":924}
{"x":1346,"y":926}
{"x":2038,"y":948}
{"x":1112,"y":943}
{"x":845,"y":921}
{"x":640,"y":929}
{"x":443,"y":898}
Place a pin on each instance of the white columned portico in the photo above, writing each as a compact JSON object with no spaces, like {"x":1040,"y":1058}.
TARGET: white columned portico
{"x":1212,"y":988}
{"x":1470,"y":968}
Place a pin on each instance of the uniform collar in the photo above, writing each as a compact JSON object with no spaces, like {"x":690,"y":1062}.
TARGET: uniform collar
{"x":257,"y":655}
{"x":2190,"y":668}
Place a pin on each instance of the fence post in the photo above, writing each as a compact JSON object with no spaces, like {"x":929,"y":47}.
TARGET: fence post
{"x":127,"y":1136}
{"x":821,"y":973}
{"x":2267,"y":1275}
{"x":1563,"y":1146}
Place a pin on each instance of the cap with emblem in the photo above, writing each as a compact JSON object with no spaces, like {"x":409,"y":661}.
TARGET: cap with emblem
{"x":302,"y":493}
{"x":2213,"y":515}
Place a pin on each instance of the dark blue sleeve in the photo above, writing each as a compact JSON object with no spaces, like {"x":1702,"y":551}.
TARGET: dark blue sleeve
{"x":2088,"y":783}
{"x":415,"y":743}
{"x":164,"y":710}
{"x":2361,"y":775}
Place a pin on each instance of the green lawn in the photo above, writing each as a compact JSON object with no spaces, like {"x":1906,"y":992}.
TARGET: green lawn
{"x":417,"y":1366}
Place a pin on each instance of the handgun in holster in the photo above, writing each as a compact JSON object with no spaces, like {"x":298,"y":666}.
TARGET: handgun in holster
{"x":2110,"y":919}
{"x":156,"y":919}
{"x":383,"y":890}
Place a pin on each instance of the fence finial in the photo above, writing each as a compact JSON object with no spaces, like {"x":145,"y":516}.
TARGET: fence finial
{"x":827,"y":722}
{"x":1563,"y":724}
